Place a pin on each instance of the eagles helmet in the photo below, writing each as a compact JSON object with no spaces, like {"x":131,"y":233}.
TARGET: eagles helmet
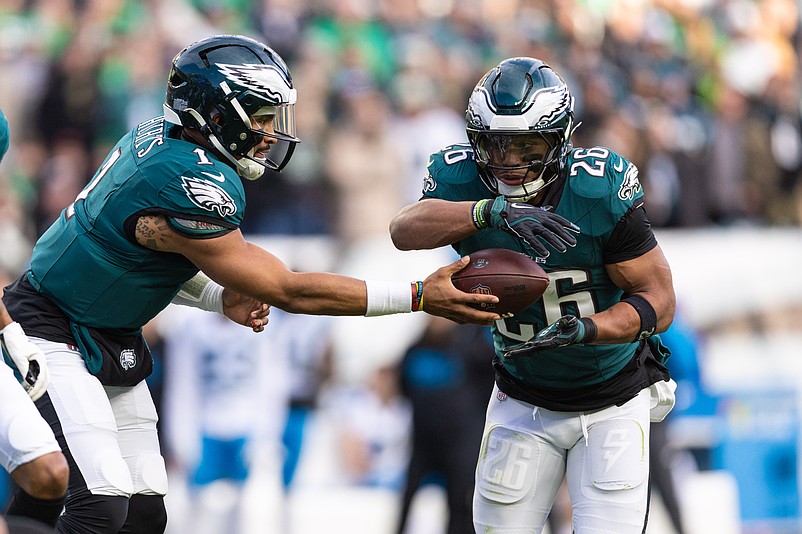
{"x":246,"y":84}
{"x":519,"y":122}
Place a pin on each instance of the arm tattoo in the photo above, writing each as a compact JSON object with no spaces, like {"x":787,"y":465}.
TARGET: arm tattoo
{"x":152,"y":232}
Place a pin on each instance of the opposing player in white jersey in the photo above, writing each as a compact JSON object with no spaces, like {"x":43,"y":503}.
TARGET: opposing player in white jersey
{"x":225,"y":402}
{"x":28,"y":449}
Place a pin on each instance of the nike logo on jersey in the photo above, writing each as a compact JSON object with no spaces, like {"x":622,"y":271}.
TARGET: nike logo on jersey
{"x":219,"y":176}
{"x":619,"y":166}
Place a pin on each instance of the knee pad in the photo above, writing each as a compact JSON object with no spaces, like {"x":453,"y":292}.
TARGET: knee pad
{"x":507,"y":466}
{"x":146,"y":515}
{"x":113,"y":475}
{"x":151,"y":476}
{"x":93,"y":514}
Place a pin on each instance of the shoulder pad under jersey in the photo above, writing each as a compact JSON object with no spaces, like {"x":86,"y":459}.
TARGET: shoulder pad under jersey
{"x":599,"y":172}
{"x":452,"y":175}
{"x":193,"y":184}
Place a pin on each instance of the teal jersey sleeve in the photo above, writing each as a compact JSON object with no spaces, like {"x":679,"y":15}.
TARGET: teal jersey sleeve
{"x":601,"y":187}
{"x":201,"y":196}
{"x":4,"y":135}
{"x":452,"y":175}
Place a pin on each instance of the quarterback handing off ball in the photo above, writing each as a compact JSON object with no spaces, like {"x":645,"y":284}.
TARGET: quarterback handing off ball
{"x":513,"y":277}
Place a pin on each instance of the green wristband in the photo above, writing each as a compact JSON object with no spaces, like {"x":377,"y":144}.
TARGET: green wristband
{"x":478,"y":214}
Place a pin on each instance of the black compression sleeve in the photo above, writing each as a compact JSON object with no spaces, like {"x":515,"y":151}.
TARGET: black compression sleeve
{"x":632,"y":236}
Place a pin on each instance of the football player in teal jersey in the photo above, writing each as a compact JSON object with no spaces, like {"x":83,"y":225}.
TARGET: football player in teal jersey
{"x":579,"y":374}
{"x":28,"y":449}
{"x":159,"y":223}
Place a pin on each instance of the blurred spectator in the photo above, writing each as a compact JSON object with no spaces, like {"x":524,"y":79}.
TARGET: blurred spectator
{"x":423,"y":126}
{"x":446,"y":377}
{"x":741,"y":174}
{"x":373,"y":422}
{"x":362,"y":160}
{"x":304,"y":342}
{"x":88,"y":70}
{"x":785,"y":130}
{"x":64,"y":173}
{"x":68,"y":107}
{"x":685,"y":344}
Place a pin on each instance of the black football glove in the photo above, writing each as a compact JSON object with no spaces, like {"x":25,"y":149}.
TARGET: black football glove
{"x":567,"y":330}
{"x":531,"y":224}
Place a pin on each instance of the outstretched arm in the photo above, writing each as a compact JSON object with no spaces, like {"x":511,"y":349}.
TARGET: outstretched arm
{"x":250,"y":270}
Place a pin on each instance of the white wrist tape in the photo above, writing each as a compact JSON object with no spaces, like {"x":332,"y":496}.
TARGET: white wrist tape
{"x":201,"y":292}
{"x":386,"y":298}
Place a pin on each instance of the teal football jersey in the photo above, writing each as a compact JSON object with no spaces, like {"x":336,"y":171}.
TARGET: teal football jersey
{"x":599,"y":189}
{"x":89,"y":262}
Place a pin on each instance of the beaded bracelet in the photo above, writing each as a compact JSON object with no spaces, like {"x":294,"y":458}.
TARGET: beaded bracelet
{"x":417,"y":296}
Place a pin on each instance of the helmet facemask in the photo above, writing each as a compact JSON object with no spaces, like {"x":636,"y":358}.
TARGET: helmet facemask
{"x":246,"y":132}
{"x":519,"y":164}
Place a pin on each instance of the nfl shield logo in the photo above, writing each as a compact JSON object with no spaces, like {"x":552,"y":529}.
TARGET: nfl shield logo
{"x":481,"y":289}
{"x":127,"y":359}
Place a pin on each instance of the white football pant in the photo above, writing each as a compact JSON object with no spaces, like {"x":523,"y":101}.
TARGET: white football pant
{"x":110,"y":431}
{"x":527,"y":451}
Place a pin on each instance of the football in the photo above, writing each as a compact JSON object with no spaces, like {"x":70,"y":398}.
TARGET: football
{"x":513,"y":277}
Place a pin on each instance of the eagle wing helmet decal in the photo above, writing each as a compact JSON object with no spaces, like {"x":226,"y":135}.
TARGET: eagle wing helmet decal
{"x":266,"y":80}
{"x":548,"y":104}
{"x":209,"y":196}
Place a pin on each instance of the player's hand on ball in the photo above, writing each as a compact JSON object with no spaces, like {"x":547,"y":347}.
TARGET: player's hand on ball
{"x":441,"y":298}
{"x":532,"y":225}
{"x":245,"y":310}
{"x":29,"y":360}
{"x":567,"y":330}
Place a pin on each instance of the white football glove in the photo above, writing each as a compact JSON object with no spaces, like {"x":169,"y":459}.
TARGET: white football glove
{"x":28,"y":358}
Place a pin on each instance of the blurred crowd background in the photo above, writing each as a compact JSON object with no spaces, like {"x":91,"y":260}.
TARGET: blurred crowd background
{"x":702,"y":95}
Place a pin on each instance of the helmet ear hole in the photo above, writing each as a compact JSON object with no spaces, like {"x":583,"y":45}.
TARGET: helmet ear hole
{"x":175,"y":79}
